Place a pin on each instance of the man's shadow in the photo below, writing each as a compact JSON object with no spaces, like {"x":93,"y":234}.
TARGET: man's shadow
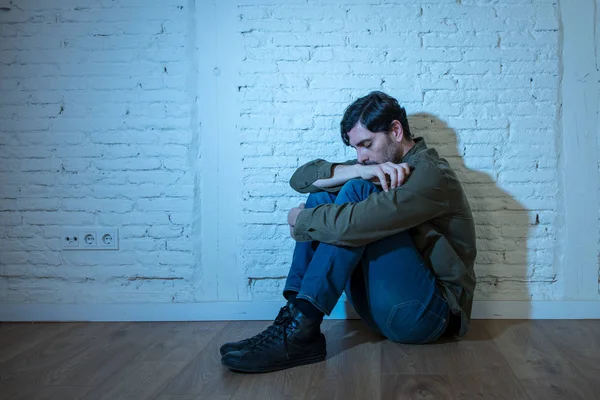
{"x":502,"y":227}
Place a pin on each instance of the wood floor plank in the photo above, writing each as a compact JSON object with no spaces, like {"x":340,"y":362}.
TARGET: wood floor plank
{"x":139,"y":380}
{"x":192,"y":397}
{"x":9,"y":391}
{"x":487,"y":384}
{"x":577,"y":340}
{"x":205,"y":375}
{"x":591,"y":324}
{"x":398,"y":358}
{"x":442,"y":357}
{"x":107,"y":355}
{"x":472,"y":365}
{"x":36,"y":365}
{"x":529,"y":353}
{"x":474,"y":352}
{"x":480,"y":370}
{"x":261,"y":386}
{"x":297,"y":380}
{"x":415,"y":386}
{"x":183,"y":341}
{"x":162,"y":359}
{"x":352,"y":369}
{"x":562,"y":388}
{"x":20,"y":337}
{"x":7,"y":326}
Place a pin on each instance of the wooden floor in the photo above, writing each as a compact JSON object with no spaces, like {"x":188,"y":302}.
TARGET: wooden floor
{"x":498,"y":359}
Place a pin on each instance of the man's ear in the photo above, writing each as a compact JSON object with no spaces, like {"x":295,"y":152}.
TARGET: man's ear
{"x":397,"y":130}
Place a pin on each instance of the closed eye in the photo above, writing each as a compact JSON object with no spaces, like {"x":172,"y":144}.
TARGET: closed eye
{"x":365,"y":143}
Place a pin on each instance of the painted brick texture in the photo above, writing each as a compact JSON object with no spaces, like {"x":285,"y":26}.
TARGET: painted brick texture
{"x":97,"y":128}
{"x":481,"y":82}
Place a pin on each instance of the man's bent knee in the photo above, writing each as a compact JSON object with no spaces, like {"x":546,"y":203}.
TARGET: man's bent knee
{"x":357,"y":189}
{"x":315,"y":199}
{"x":358,"y":183}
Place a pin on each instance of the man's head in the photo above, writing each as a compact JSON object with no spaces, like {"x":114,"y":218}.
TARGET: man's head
{"x":377,"y":127}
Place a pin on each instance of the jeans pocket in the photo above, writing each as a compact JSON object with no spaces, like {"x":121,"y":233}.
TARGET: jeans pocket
{"x":411,"y":322}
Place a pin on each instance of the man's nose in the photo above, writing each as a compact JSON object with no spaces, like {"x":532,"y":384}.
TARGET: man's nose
{"x":361,"y":158}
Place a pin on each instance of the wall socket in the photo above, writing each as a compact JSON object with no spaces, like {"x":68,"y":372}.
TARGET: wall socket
{"x":90,"y":238}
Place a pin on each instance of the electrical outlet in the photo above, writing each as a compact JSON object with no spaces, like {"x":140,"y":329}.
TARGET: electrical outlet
{"x":69,"y":240}
{"x":88,"y":239}
{"x":108,"y":238}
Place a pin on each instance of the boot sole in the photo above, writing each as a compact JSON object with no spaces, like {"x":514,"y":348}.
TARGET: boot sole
{"x":225,"y":352}
{"x":278,"y":367}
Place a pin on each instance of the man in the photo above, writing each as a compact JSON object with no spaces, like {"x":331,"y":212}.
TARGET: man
{"x":392,"y":228}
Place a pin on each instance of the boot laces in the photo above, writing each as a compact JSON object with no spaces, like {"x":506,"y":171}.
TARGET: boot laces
{"x":284,"y":323}
{"x":282,"y":318}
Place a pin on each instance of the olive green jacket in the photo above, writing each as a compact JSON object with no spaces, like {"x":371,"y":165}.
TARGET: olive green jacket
{"x":431,"y":204}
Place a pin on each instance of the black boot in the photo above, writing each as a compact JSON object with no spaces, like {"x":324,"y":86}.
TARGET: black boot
{"x":284,"y":313}
{"x":297,"y":340}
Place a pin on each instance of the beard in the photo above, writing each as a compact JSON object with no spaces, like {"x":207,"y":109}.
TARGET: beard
{"x":393,"y":152}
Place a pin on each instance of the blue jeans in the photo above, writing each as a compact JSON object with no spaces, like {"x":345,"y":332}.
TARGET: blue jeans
{"x":386,"y":281}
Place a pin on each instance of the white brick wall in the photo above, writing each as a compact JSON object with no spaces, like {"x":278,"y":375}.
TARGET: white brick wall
{"x":97,"y":128}
{"x":490,"y":72}
{"x":95,"y":121}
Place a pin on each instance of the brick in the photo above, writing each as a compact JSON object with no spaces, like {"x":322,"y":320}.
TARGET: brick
{"x":463,"y":39}
{"x":504,"y":55}
{"x":105,"y":218}
{"x":260,"y":205}
{"x":273,"y":161}
{"x":163,"y":204}
{"x":462,"y":13}
{"x":127,"y":164}
{"x":29,"y":205}
{"x":10,"y":219}
{"x":57,"y":218}
{"x":531,"y":177}
{"x":164,"y":231}
{"x":308,"y":12}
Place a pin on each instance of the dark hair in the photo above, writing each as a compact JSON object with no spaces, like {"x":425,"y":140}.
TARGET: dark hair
{"x":375,"y":111}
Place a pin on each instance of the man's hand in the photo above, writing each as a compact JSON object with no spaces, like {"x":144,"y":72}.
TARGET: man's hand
{"x":388,"y":175}
{"x":293,"y":216}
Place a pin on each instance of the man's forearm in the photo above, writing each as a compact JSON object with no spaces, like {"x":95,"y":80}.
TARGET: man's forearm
{"x":341,"y":174}
{"x":303,"y":178}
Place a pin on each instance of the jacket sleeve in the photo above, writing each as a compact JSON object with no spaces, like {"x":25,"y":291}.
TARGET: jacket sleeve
{"x":421,"y":198}
{"x":303,"y":178}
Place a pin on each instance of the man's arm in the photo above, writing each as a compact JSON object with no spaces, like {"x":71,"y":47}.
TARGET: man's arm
{"x":319,"y":175}
{"x":322,"y":175}
{"x":383,"y":214}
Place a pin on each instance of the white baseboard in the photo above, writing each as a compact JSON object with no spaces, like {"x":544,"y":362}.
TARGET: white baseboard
{"x":218,"y":311}
{"x":536,"y":310}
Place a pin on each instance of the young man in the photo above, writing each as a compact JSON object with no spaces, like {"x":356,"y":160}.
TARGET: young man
{"x":392,"y":228}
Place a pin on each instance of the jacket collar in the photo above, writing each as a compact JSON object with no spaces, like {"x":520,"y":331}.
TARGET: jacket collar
{"x":419,"y":146}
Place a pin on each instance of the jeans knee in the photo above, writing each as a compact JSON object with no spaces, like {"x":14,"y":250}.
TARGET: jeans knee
{"x":358,"y":183}
{"x":358,"y":189}
{"x":315,"y":199}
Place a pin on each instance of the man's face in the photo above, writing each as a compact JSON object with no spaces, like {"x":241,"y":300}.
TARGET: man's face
{"x":374,"y":147}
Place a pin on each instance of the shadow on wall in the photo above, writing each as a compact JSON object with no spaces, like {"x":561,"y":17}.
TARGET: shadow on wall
{"x":502,"y":223}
